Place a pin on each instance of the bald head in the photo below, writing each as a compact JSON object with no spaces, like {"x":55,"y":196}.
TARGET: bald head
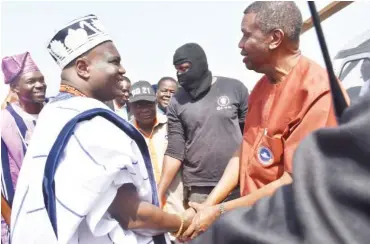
{"x":282,"y":15}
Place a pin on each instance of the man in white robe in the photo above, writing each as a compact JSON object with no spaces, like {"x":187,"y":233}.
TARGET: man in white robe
{"x":87,"y":175}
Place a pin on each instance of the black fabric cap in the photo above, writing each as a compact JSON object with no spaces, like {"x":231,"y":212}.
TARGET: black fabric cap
{"x":142,"y":91}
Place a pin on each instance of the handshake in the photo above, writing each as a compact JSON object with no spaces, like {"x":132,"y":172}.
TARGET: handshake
{"x":197,"y":220}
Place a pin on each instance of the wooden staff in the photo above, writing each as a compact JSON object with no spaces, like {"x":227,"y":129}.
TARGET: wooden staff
{"x":325,"y":13}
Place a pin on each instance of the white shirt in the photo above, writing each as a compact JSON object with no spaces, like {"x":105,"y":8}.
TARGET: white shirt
{"x":122,"y":111}
{"x":97,"y":160}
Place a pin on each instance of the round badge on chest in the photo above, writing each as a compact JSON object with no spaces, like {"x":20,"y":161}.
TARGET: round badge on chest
{"x":223,"y":101}
{"x":265,"y":155}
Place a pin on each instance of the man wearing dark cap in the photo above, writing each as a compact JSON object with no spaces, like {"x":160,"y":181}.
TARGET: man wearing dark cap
{"x":153,"y":126}
{"x":87,"y":176}
{"x":205,"y":118}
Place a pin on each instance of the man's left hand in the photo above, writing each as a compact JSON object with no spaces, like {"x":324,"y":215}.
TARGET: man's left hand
{"x":201,"y":222}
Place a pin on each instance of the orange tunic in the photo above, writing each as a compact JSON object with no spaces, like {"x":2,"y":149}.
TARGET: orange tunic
{"x":279,"y":117}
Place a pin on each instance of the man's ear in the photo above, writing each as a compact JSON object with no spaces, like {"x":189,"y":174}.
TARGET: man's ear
{"x":14,"y":86}
{"x":82,"y":66}
{"x":277,"y":38}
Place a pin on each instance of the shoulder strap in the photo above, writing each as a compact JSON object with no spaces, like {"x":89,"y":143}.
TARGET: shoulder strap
{"x":22,"y":128}
{"x":57,"y":149}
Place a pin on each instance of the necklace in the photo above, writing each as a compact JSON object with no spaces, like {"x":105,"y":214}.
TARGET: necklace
{"x":71,"y":90}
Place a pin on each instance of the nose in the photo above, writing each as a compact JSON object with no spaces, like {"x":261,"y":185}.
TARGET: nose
{"x":121,"y":70}
{"x":126,"y":94}
{"x":145,"y":109}
{"x":241,"y":43}
{"x":40,"y":85}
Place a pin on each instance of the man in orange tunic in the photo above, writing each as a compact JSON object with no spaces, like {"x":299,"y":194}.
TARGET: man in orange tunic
{"x":290,"y":101}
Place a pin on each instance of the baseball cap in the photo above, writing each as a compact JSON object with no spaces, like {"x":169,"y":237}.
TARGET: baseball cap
{"x":142,"y":91}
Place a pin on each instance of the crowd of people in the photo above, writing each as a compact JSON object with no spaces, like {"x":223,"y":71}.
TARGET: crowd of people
{"x":108,"y":160}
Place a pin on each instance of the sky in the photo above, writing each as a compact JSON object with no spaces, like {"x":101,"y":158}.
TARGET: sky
{"x":147,"y":33}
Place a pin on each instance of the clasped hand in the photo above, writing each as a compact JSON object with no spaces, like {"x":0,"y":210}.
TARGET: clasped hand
{"x":202,"y":217}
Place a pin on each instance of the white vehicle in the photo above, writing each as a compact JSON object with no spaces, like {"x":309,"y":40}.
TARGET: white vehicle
{"x":352,"y":65}
{"x":352,"y":62}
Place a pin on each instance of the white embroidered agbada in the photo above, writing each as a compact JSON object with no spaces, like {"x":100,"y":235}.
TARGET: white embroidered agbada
{"x":98,"y":159}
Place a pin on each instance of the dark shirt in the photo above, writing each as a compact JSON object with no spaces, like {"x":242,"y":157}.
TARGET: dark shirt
{"x":204,"y":134}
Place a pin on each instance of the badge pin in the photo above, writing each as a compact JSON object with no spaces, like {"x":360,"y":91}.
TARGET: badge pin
{"x":265,"y":155}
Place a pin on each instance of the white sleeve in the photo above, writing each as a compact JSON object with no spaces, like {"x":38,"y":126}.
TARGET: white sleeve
{"x":98,"y":159}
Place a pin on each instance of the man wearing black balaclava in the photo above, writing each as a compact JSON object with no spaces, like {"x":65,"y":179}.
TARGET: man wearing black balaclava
{"x":197,"y":79}
{"x":205,"y":118}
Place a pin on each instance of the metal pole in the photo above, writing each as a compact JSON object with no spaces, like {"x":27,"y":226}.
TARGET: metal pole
{"x":339,"y":101}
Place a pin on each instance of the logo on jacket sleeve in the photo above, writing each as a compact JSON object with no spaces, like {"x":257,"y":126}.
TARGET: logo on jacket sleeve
{"x":265,"y":155}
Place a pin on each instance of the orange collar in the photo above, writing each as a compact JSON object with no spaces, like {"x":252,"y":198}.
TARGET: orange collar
{"x":156,"y":123}
{"x":71,"y":90}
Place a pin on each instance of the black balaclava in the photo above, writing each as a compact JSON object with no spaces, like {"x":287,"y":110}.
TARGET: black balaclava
{"x":198,"y":79}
